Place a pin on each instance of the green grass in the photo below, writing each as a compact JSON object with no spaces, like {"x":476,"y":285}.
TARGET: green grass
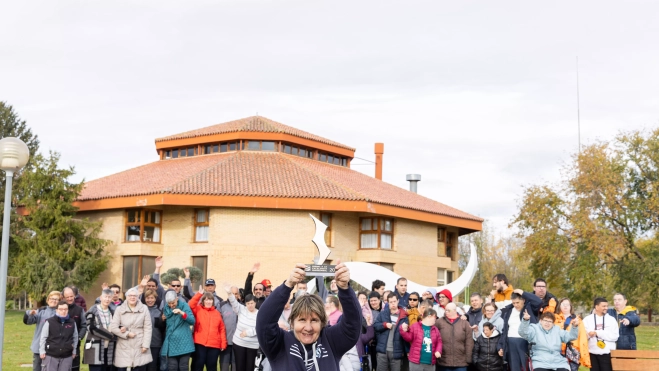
{"x":18,"y":338}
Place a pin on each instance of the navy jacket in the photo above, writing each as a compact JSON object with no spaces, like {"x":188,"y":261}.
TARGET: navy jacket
{"x":627,"y":338}
{"x":382,"y":333}
{"x":532,"y":305}
{"x":285,"y":352}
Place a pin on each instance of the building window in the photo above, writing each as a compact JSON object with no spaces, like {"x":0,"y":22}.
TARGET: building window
{"x":201,"y":262}
{"x":376,"y":233}
{"x":143,"y":225}
{"x":201,"y":225}
{"x":449,"y":245}
{"x":449,"y":277}
{"x":327,"y":220}
{"x":441,"y":234}
{"x":332,"y":159}
{"x":136,"y":267}
{"x":441,"y":276}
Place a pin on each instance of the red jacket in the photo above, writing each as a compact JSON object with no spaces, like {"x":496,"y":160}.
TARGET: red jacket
{"x":414,"y":336}
{"x":209,"y":328}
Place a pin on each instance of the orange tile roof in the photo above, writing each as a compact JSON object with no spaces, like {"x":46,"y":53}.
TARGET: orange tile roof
{"x":273,"y":174}
{"x":252,"y":124}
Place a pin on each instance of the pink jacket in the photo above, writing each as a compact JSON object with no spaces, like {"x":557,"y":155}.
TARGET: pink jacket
{"x":333,"y":318}
{"x":414,"y":336}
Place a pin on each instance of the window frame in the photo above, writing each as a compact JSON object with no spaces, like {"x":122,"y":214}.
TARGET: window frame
{"x":441,"y":234}
{"x":142,"y":224}
{"x":378,"y":231}
{"x":200,"y":224}
{"x":444,"y":279}
{"x":140,"y":270}
{"x":204,"y":271}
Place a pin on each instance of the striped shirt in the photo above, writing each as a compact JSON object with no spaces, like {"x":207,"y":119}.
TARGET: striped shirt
{"x":247,"y":323}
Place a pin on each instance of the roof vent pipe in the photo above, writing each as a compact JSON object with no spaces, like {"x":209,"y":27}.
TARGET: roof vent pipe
{"x":413,"y":179}
{"x":379,"y":152}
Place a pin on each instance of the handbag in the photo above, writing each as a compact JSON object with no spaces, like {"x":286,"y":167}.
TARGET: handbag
{"x":572,"y":354}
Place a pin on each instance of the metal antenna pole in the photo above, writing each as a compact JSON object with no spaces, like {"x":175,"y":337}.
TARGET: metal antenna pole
{"x":9,"y":175}
{"x":578,"y":107}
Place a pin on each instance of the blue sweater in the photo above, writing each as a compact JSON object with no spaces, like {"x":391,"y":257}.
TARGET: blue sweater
{"x":286,"y":353}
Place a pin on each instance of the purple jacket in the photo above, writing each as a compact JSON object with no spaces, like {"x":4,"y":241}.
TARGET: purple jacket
{"x":286,"y":353}
{"x":414,"y":336}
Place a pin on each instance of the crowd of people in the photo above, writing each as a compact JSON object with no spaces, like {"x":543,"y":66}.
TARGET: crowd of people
{"x":261,"y":327}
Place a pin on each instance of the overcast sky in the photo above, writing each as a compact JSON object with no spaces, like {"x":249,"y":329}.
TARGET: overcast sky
{"x":477,"y":97}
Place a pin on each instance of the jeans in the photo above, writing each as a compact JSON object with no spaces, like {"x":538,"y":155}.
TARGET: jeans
{"x":227,"y":359}
{"x":516,"y":354}
{"x":36,"y":362}
{"x":205,"y":356}
{"x":179,"y":363}
{"x":386,"y":362}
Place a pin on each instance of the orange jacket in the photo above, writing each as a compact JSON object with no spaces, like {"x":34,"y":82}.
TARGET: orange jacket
{"x":505,"y":295}
{"x":209,"y":328}
{"x":581,"y":344}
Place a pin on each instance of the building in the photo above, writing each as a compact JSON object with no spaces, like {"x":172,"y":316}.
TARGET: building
{"x":225,"y":196}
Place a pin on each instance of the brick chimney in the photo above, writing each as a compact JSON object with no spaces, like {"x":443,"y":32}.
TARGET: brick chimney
{"x":379,"y":151}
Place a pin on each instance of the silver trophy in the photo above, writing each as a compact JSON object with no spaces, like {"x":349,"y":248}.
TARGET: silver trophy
{"x":319,"y":269}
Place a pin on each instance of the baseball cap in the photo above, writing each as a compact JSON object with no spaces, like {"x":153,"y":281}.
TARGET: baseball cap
{"x":210,"y":281}
{"x":266,"y":282}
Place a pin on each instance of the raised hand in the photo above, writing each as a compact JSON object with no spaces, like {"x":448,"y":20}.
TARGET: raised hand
{"x":342,"y":275}
{"x":201,"y":289}
{"x":518,"y":291}
{"x":159,"y":262}
{"x":227,"y":287}
{"x":255,"y":268}
{"x":186,"y":271}
{"x":105,"y":286}
{"x":145,"y":280}
{"x":297,"y":275}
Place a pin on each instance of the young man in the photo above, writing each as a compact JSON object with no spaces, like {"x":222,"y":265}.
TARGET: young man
{"x":390,"y":346}
{"x":549,"y":301}
{"x":501,"y":295}
{"x":59,"y":338}
{"x":401,"y":292}
{"x":378,"y":286}
{"x":602,"y":331}
{"x":512,"y":346}
{"x":628,"y":318}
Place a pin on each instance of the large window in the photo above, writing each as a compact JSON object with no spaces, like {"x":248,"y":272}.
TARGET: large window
{"x":143,"y":225}
{"x":201,"y":262}
{"x":376,"y":233}
{"x":449,"y":277}
{"x":441,"y":234}
{"x":449,"y":245}
{"x":136,"y":267}
{"x":201,"y":225}
{"x":327,"y":220}
{"x":441,"y":276}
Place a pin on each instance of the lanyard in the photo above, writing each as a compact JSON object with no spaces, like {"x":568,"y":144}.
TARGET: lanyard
{"x":595,"y":320}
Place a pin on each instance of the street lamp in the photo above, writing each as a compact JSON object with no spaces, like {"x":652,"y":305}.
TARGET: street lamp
{"x":13,"y":156}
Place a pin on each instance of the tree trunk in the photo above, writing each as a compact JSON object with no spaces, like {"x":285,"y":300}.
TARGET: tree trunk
{"x":650,"y":314}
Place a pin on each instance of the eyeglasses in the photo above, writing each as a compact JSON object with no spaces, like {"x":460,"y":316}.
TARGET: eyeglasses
{"x":116,"y":292}
{"x":540,"y":287}
{"x":547,"y":321}
{"x":131,"y":296}
{"x":442,"y":297}
{"x":413,"y":299}
{"x":175,"y":285}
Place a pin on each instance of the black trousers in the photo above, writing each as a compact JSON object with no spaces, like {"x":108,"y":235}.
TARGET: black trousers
{"x":179,"y":363}
{"x":155,"y":364}
{"x":227,"y":359}
{"x":205,"y":356}
{"x":600,"y":362}
{"x":245,"y":358}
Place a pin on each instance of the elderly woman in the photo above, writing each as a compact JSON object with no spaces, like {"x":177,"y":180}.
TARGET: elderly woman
{"x":491,"y":314}
{"x":99,"y":345}
{"x":178,"y":342}
{"x":245,"y":343}
{"x":310,"y":344}
{"x":548,"y":340}
{"x":131,"y":324}
{"x":209,"y":332}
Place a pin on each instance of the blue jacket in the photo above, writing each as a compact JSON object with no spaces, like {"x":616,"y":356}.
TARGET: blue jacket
{"x":627,"y":338}
{"x":547,"y":348}
{"x":382,"y":332}
{"x":531,"y":305}
{"x":178,"y":336}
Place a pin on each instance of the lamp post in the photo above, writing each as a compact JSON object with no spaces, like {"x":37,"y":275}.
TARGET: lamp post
{"x":13,"y":156}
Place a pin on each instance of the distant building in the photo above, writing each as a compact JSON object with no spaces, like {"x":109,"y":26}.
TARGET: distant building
{"x":225,"y":196}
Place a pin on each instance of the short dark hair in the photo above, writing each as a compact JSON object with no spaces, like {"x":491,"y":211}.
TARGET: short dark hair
{"x":474,"y":295}
{"x":429,"y":312}
{"x":363,"y":292}
{"x":515,"y":296}
{"x":600,"y":300}
{"x":501,"y":277}
{"x":259,"y":283}
{"x":549,"y":315}
{"x":114,"y":285}
{"x":62,"y":302}
{"x":539,"y":280}
{"x":249,"y":298}
{"x":415,"y":293}
{"x":391,"y":296}
{"x":488,"y":325}
{"x":621,"y":294}
{"x":377,"y":284}
{"x":153,"y":280}
{"x":400,"y":279}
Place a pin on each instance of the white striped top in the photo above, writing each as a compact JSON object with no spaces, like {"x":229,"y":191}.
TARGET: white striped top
{"x":246,"y":322}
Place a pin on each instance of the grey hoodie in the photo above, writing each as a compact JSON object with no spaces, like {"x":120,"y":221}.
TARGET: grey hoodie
{"x":496,"y":320}
{"x":39,"y":319}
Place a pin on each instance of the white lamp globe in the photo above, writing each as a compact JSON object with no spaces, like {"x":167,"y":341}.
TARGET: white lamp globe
{"x":13,"y":154}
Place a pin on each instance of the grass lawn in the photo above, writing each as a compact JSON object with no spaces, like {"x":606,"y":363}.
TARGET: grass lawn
{"x":19,"y":336}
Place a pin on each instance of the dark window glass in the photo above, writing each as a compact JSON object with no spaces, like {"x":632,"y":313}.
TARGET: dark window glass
{"x":207,"y":149}
{"x":232,"y":146}
{"x":168,"y":154}
{"x":224,"y":147}
{"x":175,"y":153}
{"x":191,"y":151}
{"x":344,"y":162}
{"x":303,"y":152}
{"x":310,"y":154}
{"x":337,"y":161}
{"x":294,"y":150}
{"x":330,"y":158}
{"x":267,"y":146}
{"x":216,"y":148}
{"x":287,"y":148}
{"x":322,"y":157}
{"x":253,"y":145}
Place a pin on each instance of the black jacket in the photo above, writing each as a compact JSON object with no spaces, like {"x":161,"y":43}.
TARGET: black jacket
{"x":248,"y":290}
{"x":77,"y":314}
{"x":474,"y":316}
{"x":59,"y":343}
{"x":486,"y":353}
{"x":532,"y":305}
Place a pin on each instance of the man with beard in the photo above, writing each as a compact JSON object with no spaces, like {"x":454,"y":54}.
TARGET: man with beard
{"x":259,"y":289}
{"x":501,"y":295}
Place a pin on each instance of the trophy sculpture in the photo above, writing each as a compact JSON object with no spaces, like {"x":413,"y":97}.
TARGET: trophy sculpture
{"x":319,"y":269}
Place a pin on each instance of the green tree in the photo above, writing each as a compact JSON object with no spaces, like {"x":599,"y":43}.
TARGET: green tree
{"x":596,"y":231}
{"x":54,"y":248}
{"x":12,"y":126}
